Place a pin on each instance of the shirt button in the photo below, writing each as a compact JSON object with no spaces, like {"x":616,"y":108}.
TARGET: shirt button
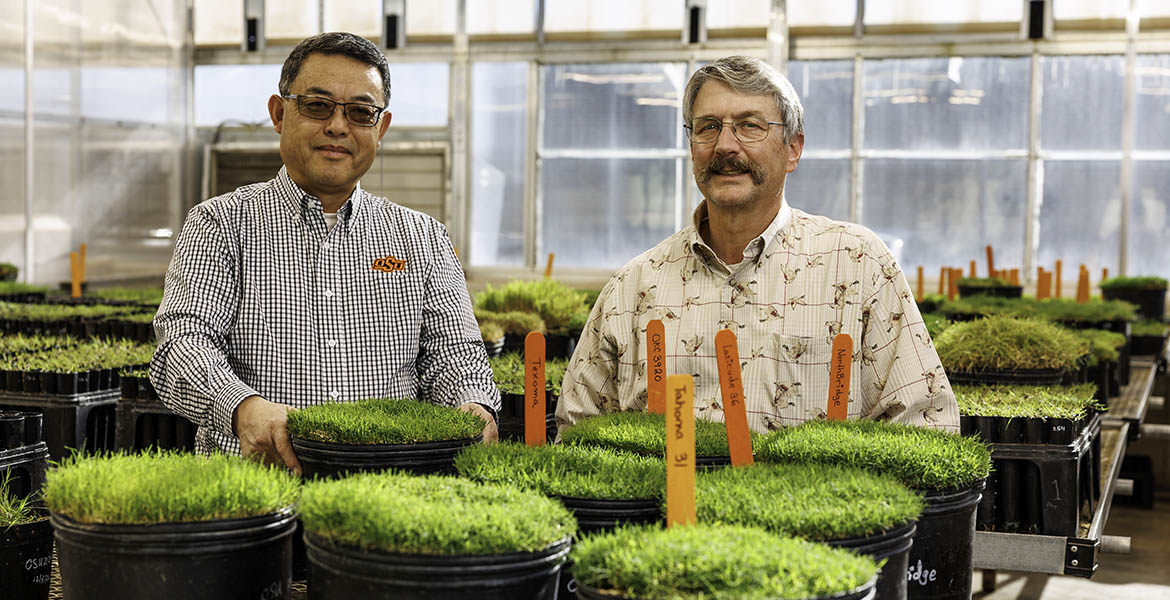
{"x":331,"y":343}
{"x":334,"y":394}
{"x":328,"y":293}
{"x":325,"y":245}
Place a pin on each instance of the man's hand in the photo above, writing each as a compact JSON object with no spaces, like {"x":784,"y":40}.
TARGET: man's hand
{"x":490,"y":432}
{"x":262,"y":428}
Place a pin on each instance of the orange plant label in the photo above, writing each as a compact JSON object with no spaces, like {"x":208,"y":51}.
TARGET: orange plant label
{"x":655,"y":367}
{"x":534,"y":411}
{"x":1056,"y":286}
{"x":1083,"y":285}
{"x":921,"y":285}
{"x":739,"y":441}
{"x":75,"y":275}
{"x":840,"y":363}
{"x":972,"y":270}
{"x":990,"y":261}
{"x":942,"y":280}
{"x":1014,"y":276}
{"x":549,"y":264}
{"x":680,"y":450}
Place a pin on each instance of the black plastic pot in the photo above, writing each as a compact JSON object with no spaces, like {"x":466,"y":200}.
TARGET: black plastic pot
{"x":1151,"y":303}
{"x":1007,"y":376}
{"x":1147,"y":345}
{"x":1006,"y":291}
{"x":26,"y":560}
{"x":602,"y":515}
{"x":865,"y":592}
{"x":493,"y":348}
{"x":234,"y":558}
{"x":892,"y":545}
{"x":559,"y":345}
{"x":940,"y":559}
{"x":344,"y":573}
{"x":11,"y":430}
{"x":321,"y":459}
{"x":33,"y":424}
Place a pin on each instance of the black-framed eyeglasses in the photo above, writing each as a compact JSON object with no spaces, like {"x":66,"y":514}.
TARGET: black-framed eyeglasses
{"x":321,"y":108}
{"x":748,"y":130}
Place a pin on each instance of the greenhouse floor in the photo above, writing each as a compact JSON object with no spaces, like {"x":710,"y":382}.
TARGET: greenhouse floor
{"x":1140,"y":575}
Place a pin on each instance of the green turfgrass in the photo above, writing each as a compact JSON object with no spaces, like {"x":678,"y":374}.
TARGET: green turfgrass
{"x":383,"y":421}
{"x":432,"y":515}
{"x":644,"y":433}
{"x":1027,"y":401}
{"x":14,"y":510}
{"x":935,"y":324}
{"x":513,"y":322}
{"x":812,"y":501}
{"x":1148,"y":327}
{"x":20,"y":343}
{"x":984,"y":282}
{"x":565,"y":470}
{"x":166,"y":487}
{"x":715,"y":562}
{"x":555,"y":302}
{"x":1008,"y":343}
{"x":83,"y":356}
{"x":921,"y":458}
{"x":1103,"y":345}
{"x":508,"y":373}
{"x":1134,"y":283}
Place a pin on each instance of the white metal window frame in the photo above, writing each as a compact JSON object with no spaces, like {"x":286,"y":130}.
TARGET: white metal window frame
{"x":777,"y":48}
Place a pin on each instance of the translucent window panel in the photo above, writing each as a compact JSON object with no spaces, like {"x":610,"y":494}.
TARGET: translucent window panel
{"x":603,"y":212}
{"x":946,"y":103}
{"x":420,"y":94}
{"x":104,"y":90}
{"x":291,"y":19}
{"x":954,"y":11}
{"x":225,"y":93}
{"x":1078,"y":10}
{"x":430,"y":17}
{"x":53,"y":91}
{"x":1152,"y":103}
{"x":12,"y":81}
{"x":1082,"y":102}
{"x":1080,"y":216}
{"x":820,"y":187}
{"x":1153,"y":8}
{"x":738,"y":14}
{"x":219,"y":22}
{"x":1149,"y":219}
{"x":359,"y":17}
{"x":945,"y":211}
{"x":612,"y":15}
{"x":499,"y":150}
{"x":825,"y":88}
{"x":617,"y":105}
{"x":823,"y":13}
{"x":501,"y":17}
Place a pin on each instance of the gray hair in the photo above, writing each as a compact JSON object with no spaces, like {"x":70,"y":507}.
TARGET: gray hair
{"x":334,"y":43}
{"x":752,"y":76}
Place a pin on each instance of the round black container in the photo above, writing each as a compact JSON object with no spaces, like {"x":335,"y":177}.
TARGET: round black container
{"x":865,"y":592}
{"x":320,"y":459}
{"x":1010,"y":377}
{"x":892,"y":545}
{"x":1151,"y":303}
{"x":33,"y":424}
{"x":601,"y":515}
{"x":940,"y":560}
{"x":26,"y":560}
{"x":1006,"y":291}
{"x":344,"y":573}
{"x":494,"y":348}
{"x":512,"y":428}
{"x":11,"y":430}
{"x":559,"y":345}
{"x":234,"y":558}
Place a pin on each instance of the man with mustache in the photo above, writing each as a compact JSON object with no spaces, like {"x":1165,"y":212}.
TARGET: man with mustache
{"x":779,"y":278}
{"x":307,"y":289}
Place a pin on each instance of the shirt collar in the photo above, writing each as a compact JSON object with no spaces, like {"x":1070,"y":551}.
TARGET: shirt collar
{"x":755,"y":247}
{"x":301,"y":203}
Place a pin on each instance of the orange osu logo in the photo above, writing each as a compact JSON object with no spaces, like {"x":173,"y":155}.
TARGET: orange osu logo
{"x":389,"y":264}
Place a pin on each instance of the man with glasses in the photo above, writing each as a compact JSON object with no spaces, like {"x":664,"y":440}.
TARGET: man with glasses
{"x":307,"y":289}
{"x":784,"y":281}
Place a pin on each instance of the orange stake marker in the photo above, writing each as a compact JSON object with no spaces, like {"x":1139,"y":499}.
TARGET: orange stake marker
{"x":953,"y":283}
{"x":82,"y":262}
{"x":921,"y":285}
{"x":1014,"y":277}
{"x":972,"y":270}
{"x":75,"y":274}
{"x":990,"y":261}
{"x":548,"y":266}
{"x":942,"y":280}
{"x":1056,"y":287}
{"x":1083,"y":285}
{"x":534,"y":383}
{"x":840,"y":363}
{"x":680,"y":450}
{"x":739,"y":441}
{"x":1104,"y":273}
{"x":655,"y":367}
{"x":1043,"y":284}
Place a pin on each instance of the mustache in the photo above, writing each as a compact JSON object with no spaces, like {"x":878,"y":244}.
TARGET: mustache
{"x":723,"y":163}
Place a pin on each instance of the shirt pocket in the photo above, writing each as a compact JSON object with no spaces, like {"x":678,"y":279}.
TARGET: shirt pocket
{"x":798,"y":385}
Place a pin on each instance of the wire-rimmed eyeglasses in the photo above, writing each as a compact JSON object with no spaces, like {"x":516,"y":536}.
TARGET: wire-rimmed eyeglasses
{"x":321,"y":108}
{"x":748,"y":130}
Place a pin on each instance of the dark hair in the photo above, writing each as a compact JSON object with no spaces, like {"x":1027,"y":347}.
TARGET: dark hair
{"x":336,"y":42}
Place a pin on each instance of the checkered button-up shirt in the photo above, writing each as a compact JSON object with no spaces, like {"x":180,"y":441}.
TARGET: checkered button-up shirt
{"x":806,"y":279}
{"x":263,"y":299}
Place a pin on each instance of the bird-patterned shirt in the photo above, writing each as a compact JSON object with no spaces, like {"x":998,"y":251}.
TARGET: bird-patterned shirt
{"x":805,"y":280}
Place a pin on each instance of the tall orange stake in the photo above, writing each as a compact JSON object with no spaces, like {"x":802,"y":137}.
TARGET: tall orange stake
{"x":1056,"y":288}
{"x":942,"y":280}
{"x":739,"y":440}
{"x":990,"y":262}
{"x":655,"y":367}
{"x":921,"y":285}
{"x":840,"y":362}
{"x":535,"y":429}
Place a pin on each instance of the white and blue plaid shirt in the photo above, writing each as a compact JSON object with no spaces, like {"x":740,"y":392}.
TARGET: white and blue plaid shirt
{"x":263,"y":299}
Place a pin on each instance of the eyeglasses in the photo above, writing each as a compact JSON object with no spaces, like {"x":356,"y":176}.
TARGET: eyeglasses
{"x":320,"y":108}
{"x":749,"y":130}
